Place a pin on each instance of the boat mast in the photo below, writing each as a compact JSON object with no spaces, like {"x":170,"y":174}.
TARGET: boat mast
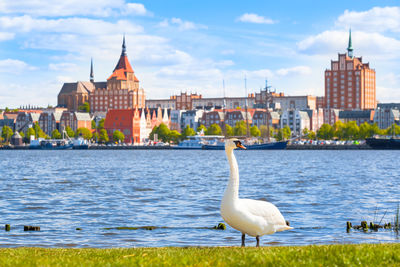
{"x":268,"y":100}
{"x":245,"y":109}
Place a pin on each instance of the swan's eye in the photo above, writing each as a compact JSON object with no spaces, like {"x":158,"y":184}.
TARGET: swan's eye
{"x":237,"y":143}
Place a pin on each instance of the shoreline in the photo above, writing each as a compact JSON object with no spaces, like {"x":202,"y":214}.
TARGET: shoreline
{"x":289,"y":147}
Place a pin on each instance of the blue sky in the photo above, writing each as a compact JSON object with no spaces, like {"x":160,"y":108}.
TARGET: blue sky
{"x":192,"y":46}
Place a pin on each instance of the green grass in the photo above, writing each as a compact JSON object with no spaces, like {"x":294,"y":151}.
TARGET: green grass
{"x":324,"y":255}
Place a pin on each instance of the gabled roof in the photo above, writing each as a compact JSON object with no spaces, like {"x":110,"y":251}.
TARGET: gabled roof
{"x":82,"y":87}
{"x":82,"y":116}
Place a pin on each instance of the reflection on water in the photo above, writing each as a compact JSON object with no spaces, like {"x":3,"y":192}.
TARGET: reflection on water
{"x":180,"y":192}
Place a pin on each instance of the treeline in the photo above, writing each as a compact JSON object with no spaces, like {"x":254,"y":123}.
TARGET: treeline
{"x":240,"y":129}
{"x":97,"y":134}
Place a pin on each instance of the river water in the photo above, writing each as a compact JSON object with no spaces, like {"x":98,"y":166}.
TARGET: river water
{"x":180,"y":192}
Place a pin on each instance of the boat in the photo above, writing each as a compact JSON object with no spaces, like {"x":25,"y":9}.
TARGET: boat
{"x":383,"y":143}
{"x":262,"y":146}
{"x":198,"y":141}
{"x":50,"y":144}
{"x":80,"y":143}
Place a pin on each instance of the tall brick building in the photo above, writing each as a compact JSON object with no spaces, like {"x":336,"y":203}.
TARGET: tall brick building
{"x":350,"y":84}
{"x":121,"y":91}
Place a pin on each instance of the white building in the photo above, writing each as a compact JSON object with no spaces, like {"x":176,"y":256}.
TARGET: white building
{"x":296,"y":120}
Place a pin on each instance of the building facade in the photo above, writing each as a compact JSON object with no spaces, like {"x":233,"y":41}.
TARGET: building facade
{"x":297,"y":121}
{"x":350,"y":84}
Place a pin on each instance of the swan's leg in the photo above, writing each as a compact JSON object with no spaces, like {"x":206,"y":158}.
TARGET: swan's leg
{"x":258,"y":241}
{"x":243,"y":238}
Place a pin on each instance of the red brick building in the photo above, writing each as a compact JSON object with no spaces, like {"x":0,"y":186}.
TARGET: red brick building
{"x":350,"y":84}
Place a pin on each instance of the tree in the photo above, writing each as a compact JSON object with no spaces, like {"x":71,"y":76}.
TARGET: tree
{"x":214,"y":129}
{"x":240,"y":129}
{"x":118,"y":136}
{"x":94,"y":126}
{"x":311,"y":135}
{"x":101,"y":124}
{"x":55,"y":134}
{"x":338,"y":129}
{"x":6,"y":133}
{"x":95,"y":136}
{"x":229,"y":130}
{"x":153,"y":132}
{"x":70,"y":132}
{"x":325,"y":132}
{"x":393,"y":130}
{"x":103,"y":136}
{"x":201,"y":127}
{"x":21,"y":133}
{"x":163,"y":133}
{"x":28,"y":134}
{"x":175,"y":136}
{"x":85,"y":107}
{"x":84,"y":132}
{"x":287,"y":133}
{"x":279,"y":135}
{"x":264,"y":131}
{"x":351,"y":130}
{"x":187,"y":132}
{"x":254,"y":131}
{"x":38,"y":131}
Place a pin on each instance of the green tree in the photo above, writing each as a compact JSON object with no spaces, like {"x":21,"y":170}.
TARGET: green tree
{"x":55,"y":134}
{"x":325,"y":132}
{"x":95,"y":136}
{"x":264,"y":131}
{"x":229,"y":130}
{"x":70,"y":132}
{"x":94,"y":126}
{"x":175,"y":136}
{"x":279,"y":135}
{"x":85,"y":107}
{"x":101,"y":124}
{"x":29,"y":132}
{"x":103,"y":136}
{"x":38,"y":131}
{"x":338,"y":129}
{"x":254,"y":131}
{"x":84,"y":132}
{"x":163,"y":133}
{"x":201,"y":127}
{"x":118,"y":136}
{"x":214,"y":129}
{"x":6,"y":133}
{"x":287,"y":133}
{"x":187,"y":132}
{"x":351,"y":131}
{"x":311,"y":135}
{"x":21,"y":133}
{"x":393,"y":130}
{"x":374,"y":129}
{"x":240,"y":129}
{"x":153,"y":132}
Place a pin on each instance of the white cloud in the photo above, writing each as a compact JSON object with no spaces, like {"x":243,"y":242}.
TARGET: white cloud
{"x":136,"y":9}
{"x":254,"y":18}
{"x":367,"y":44}
{"x":14,"y":66}
{"x":377,"y":19}
{"x":4,"y":36}
{"x":298,"y":70}
{"x":181,"y":24}
{"x":69,"y":25}
{"x":63,"y":66}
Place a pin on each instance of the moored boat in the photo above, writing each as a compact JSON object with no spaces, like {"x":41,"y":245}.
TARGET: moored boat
{"x":262,"y":146}
{"x":383,"y":143}
{"x":50,"y":144}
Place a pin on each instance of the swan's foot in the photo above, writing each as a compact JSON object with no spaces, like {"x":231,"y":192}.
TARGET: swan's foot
{"x":243,"y":239}
{"x":258,"y":241}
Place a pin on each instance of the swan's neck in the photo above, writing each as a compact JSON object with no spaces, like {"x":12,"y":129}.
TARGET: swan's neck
{"x":232,"y":190}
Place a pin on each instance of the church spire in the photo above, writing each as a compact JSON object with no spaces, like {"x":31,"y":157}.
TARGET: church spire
{"x":350,"y":46}
{"x":123,"y":47}
{"x":91,"y":70}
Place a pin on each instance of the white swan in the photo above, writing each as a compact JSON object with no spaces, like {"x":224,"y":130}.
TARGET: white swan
{"x":251,"y":217}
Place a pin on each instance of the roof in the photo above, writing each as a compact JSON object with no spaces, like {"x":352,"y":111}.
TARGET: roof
{"x":354,"y":114}
{"x":57,"y":115}
{"x":389,"y":105}
{"x":82,"y":87}
{"x":35,"y":116}
{"x":82,"y":116}
{"x":123,"y":66}
{"x":304,"y":115}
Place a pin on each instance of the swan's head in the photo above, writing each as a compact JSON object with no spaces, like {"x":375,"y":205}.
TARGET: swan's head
{"x":233,"y":144}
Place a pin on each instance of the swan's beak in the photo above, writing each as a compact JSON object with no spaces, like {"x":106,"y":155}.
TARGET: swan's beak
{"x":241,"y":146}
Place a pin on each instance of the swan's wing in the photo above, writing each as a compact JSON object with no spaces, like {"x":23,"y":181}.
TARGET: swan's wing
{"x":268,"y":211}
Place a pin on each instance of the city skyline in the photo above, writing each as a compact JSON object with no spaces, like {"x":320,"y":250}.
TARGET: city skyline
{"x":174,"y":48}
